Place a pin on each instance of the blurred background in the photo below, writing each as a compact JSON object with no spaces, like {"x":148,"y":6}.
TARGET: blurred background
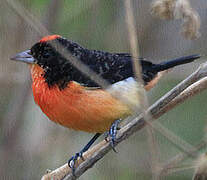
{"x":30,"y":143}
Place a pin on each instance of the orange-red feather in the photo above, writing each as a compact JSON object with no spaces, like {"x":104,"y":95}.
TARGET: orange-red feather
{"x":49,"y":38}
{"x":75,"y":106}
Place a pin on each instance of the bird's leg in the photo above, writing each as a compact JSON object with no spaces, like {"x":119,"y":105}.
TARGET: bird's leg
{"x":73,"y":159}
{"x":112,"y":134}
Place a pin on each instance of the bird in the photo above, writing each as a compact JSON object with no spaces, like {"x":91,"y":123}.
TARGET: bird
{"x":72,"y":99}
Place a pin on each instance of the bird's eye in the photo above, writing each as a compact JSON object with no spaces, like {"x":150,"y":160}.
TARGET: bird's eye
{"x":32,"y":52}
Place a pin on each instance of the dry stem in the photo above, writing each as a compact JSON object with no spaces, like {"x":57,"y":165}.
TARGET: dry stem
{"x":178,"y":9}
{"x":168,"y":167}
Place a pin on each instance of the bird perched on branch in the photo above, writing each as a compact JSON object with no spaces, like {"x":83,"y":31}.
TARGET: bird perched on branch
{"x":71,"y":98}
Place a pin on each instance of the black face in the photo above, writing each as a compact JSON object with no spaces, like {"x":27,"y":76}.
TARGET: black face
{"x":58,"y":70}
{"x":44,"y":54}
{"x":51,"y":61}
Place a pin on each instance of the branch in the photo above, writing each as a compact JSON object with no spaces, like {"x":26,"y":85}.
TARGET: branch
{"x":192,"y":90}
{"x":163,"y":105}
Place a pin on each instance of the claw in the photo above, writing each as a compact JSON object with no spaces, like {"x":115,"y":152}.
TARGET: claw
{"x":112,"y":134}
{"x":73,"y":159}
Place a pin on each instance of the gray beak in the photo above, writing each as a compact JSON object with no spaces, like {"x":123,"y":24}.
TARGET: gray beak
{"x":24,"y":57}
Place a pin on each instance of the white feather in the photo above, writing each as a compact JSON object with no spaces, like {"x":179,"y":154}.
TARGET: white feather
{"x":128,"y":90}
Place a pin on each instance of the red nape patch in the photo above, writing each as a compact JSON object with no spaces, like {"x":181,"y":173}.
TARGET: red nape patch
{"x":49,"y":38}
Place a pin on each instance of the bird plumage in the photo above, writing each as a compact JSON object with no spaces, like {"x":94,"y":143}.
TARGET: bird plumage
{"x":62,"y":90}
{"x":75,"y":106}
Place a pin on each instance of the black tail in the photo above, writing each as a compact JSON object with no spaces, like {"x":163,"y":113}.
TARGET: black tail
{"x":175,"y":62}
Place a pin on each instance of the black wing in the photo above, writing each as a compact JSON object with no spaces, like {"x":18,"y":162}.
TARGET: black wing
{"x":114,"y":67}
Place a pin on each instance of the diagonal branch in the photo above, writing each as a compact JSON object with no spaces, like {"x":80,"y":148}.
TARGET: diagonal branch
{"x":157,"y":109}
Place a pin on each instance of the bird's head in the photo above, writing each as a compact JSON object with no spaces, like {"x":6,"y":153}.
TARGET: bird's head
{"x":42,"y":53}
{"x":47,"y":56}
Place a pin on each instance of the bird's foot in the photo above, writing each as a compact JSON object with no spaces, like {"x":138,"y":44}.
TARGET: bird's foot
{"x":112,"y":134}
{"x":73,"y":159}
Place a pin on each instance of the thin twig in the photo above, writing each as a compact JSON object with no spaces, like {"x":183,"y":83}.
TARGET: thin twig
{"x":28,"y":17}
{"x":97,"y":152}
{"x":134,"y":47}
{"x":172,"y":163}
{"x":190,"y":91}
{"x":133,"y":39}
{"x":155,"y":153}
